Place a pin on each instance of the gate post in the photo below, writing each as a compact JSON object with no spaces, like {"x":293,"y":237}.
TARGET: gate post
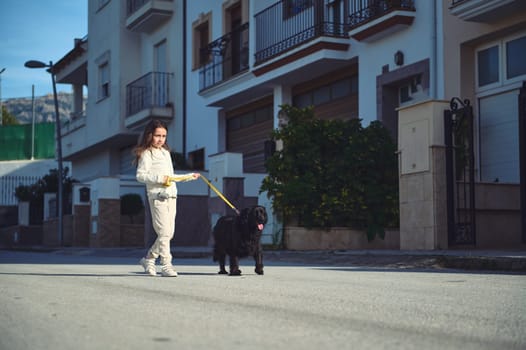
{"x":522,"y":157}
{"x":422,"y":176}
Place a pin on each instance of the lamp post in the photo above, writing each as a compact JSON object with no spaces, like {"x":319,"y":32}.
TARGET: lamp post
{"x":39,"y":64}
{"x":1,"y":107}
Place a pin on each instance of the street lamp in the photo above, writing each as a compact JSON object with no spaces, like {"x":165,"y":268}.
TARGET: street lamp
{"x":1,"y":108}
{"x":39,"y":64}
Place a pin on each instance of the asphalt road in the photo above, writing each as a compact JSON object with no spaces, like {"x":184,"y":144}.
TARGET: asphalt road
{"x":50,"y":301}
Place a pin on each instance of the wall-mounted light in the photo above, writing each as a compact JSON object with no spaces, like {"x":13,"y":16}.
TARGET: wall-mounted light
{"x":399,"y":58}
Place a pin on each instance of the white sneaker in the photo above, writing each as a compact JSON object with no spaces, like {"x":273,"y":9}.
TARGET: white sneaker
{"x":168,"y":271}
{"x":149,"y":266}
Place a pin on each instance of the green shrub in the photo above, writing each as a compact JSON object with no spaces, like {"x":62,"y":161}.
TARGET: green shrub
{"x":34,"y":193}
{"x":334,"y":173}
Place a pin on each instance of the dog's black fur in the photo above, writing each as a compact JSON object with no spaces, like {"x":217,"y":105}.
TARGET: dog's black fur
{"x":239,"y":236}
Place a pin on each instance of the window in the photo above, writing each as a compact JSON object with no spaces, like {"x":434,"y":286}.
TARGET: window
{"x":104,"y":81}
{"x":516,"y":58}
{"x":103,"y":75}
{"x":501,"y":63}
{"x":201,"y":39}
{"x":488,"y":66}
{"x":412,"y":91}
{"x":204,"y":55}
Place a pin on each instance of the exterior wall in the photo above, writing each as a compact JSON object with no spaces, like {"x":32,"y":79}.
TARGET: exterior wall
{"x":202,"y":121}
{"x":20,"y":235}
{"x":498,"y":216}
{"x":108,"y":224}
{"x":29,"y":167}
{"x":50,"y":228}
{"x":81,"y":226}
{"x":417,"y":44}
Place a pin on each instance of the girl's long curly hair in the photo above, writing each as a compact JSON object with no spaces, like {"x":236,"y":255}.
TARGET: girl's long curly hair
{"x":145,"y":142}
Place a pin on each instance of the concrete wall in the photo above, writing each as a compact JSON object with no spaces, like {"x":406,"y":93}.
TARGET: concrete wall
{"x":423,"y":205}
{"x":300,"y":238}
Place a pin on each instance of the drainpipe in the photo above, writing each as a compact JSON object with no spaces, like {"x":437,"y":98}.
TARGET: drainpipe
{"x":184,"y":79}
{"x":434,"y":83}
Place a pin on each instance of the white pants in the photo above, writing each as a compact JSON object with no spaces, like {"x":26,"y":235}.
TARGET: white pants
{"x":163,"y":221}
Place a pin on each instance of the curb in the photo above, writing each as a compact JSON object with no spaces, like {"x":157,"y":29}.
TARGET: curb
{"x":500,"y":261}
{"x":483,"y":263}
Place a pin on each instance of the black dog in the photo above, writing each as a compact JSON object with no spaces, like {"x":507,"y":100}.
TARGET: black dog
{"x":240,"y":236}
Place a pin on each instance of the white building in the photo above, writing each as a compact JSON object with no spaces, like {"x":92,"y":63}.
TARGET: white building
{"x":217,"y":72}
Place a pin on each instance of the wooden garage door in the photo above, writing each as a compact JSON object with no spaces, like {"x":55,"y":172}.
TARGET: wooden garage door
{"x":247,"y":133}
{"x":336,"y":99}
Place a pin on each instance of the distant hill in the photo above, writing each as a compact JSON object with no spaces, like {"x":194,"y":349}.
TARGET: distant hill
{"x":22,"y":109}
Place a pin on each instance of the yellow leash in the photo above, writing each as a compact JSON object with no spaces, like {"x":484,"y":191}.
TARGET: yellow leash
{"x":219,"y":194}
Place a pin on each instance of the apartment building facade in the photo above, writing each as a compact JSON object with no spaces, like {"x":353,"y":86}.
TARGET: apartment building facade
{"x":218,"y":71}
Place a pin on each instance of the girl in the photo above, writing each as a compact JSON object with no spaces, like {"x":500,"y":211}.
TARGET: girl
{"x":155,"y":169}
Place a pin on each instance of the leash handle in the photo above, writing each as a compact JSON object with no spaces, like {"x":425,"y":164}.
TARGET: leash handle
{"x":219,"y":194}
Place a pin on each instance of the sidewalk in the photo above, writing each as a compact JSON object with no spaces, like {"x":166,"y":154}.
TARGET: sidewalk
{"x":489,"y":260}
{"x":511,"y":261}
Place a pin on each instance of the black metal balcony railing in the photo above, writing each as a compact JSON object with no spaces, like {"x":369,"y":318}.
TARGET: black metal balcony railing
{"x":362,"y":11}
{"x":227,"y":55}
{"x":288,"y":24}
{"x":150,"y":90}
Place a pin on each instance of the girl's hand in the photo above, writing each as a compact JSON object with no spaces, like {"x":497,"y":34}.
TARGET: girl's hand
{"x":196,"y":176}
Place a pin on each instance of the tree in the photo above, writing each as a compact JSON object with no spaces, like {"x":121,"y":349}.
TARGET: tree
{"x":34,"y":193}
{"x":8,"y":118}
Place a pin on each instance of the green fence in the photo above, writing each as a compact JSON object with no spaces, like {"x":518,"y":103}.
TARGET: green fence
{"x":15,"y":141}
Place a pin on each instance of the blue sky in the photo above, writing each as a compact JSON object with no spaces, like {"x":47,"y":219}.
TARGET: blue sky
{"x":42,"y":30}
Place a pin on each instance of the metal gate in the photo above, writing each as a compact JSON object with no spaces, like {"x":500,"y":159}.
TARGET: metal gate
{"x":522,"y":155}
{"x":460,"y":172}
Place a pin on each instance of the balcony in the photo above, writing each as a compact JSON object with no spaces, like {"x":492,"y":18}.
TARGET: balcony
{"x":148,"y":97}
{"x":373,"y":20}
{"x":486,"y":11}
{"x":291,"y":24}
{"x":228,"y":56}
{"x":145,"y":16}
{"x":76,"y":121}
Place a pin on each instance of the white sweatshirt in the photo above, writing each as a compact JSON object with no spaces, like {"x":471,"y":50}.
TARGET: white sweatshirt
{"x":154,"y":164}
